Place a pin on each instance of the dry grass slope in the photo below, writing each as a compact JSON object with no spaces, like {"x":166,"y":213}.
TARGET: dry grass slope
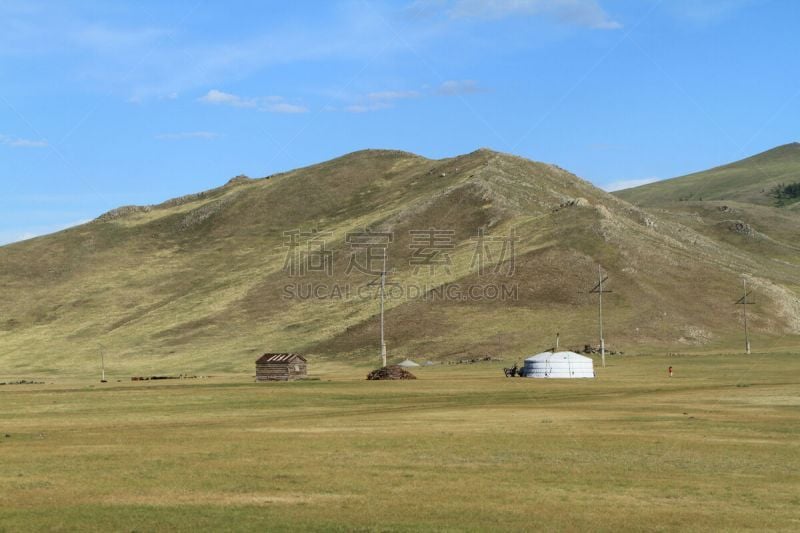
{"x":196,"y":285}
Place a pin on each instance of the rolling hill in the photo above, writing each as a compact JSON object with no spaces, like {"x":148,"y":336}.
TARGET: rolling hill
{"x":206,"y":282}
{"x":733,"y":204}
{"x":747,"y":181}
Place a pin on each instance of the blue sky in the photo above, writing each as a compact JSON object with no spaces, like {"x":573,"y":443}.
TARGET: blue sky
{"x":111,"y":103}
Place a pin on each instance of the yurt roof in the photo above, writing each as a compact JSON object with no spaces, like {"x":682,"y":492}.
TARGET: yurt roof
{"x":408,"y":363}
{"x":549,"y":356}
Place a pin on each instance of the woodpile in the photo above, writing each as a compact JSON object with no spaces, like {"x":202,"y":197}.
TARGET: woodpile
{"x":391,"y":372}
{"x":589,"y":349}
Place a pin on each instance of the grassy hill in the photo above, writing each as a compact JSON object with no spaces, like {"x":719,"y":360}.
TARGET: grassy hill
{"x":747,"y":181}
{"x":204,"y":283}
{"x":735,"y":205}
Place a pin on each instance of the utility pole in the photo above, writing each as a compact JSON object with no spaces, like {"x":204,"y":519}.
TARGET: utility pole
{"x":557,"y":337}
{"x":102,"y":365}
{"x":744,"y":303}
{"x":381,"y":282}
{"x":383,"y":293}
{"x":599,"y":290}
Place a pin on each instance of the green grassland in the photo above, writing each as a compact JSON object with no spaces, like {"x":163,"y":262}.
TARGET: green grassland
{"x":750,"y":180}
{"x":461,"y":448}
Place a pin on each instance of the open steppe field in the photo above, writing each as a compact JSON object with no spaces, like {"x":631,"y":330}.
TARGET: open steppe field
{"x":717,"y":446}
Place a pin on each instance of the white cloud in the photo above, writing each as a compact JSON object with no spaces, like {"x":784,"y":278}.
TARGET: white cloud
{"x":456,"y":87}
{"x":186,"y":135}
{"x":628,"y":184}
{"x":270,"y":104}
{"x":387,"y":96}
{"x":145,"y":61}
{"x":424,"y":9}
{"x":366,"y":108}
{"x":16,"y":142}
{"x":705,"y":12}
{"x":218,"y":97}
{"x":179,"y":62}
{"x":586,"y":13}
{"x":284,"y":107}
{"x":378,"y":100}
{"x":387,"y":99}
{"x":27,"y":143}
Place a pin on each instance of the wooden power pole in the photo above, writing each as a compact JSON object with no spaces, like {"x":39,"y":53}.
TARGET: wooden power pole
{"x":381,"y":282}
{"x":383,"y":293}
{"x":102,"y":364}
{"x":600,"y":290}
{"x":743,"y":301}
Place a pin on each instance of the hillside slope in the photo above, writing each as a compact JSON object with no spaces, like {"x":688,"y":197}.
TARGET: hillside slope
{"x":747,"y":181}
{"x":205,"y":282}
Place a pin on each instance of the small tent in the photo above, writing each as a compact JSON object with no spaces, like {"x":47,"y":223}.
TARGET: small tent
{"x":558,"y":365}
{"x":408,"y":363}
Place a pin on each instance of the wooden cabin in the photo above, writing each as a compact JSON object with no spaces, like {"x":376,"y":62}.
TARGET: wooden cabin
{"x":280,"y":367}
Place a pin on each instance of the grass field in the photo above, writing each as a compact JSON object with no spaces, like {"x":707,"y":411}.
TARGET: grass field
{"x":462,"y":448}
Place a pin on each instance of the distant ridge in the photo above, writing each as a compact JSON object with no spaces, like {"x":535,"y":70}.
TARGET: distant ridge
{"x":748,"y":181}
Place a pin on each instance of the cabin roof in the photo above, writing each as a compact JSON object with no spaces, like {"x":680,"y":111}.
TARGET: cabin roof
{"x":280,"y":358}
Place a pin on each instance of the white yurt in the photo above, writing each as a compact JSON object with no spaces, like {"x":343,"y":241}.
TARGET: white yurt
{"x":558,"y":365}
{"x":408,"y":363}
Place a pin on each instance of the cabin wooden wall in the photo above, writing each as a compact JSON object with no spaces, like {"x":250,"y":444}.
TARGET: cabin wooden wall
{"x":280,"y":371}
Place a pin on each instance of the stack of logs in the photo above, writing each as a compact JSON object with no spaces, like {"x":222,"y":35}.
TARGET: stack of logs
{"x":589,"y":349}
{"x":391,"y":372}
